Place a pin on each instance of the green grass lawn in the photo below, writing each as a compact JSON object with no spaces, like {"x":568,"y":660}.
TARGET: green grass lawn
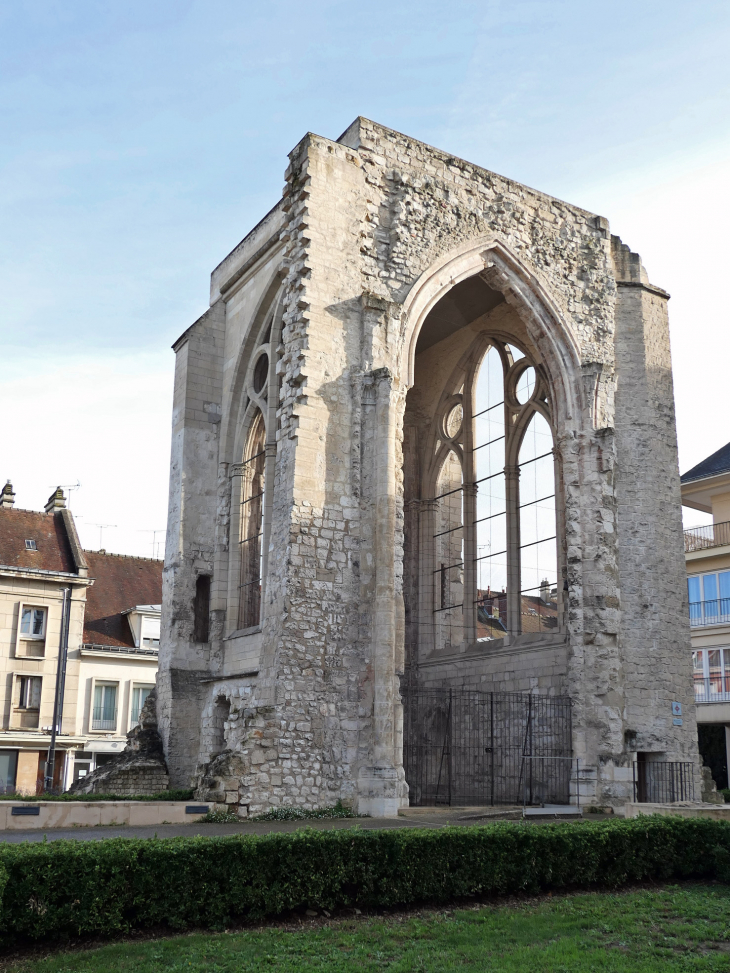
{"x":674,"y":928}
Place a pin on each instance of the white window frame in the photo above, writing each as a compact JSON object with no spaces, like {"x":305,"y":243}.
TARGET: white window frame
{"x":143,"y":622}
{"x":22,"y":639}
{"x":714,"y":687}
{"x":101,"y":681}
{"x":15,"y":709}
{"x":699,"y":617}
{"x":136,"y":685}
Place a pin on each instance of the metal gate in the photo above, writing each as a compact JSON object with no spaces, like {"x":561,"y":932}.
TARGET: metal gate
{"x":463,"y":747}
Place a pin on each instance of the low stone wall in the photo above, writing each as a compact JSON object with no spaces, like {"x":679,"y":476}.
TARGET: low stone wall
{"x":715,"y":812}
{"x":90,"y":814}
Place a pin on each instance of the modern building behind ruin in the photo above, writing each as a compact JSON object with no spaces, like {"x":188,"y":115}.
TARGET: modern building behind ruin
{"x":423,"y":441}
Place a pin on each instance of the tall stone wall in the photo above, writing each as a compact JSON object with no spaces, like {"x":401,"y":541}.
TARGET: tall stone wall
{"x":370,"y":229}
{"x":654,"y":617}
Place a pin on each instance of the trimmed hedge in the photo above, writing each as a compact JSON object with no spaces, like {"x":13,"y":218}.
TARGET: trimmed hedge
{"x":77,"y":888}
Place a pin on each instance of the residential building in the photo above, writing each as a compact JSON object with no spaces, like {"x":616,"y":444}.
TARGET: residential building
{"x":112,"y":644}
{"x":706,"y":487}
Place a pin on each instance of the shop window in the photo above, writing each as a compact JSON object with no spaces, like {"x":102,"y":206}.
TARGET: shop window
{"x":8,"y":771}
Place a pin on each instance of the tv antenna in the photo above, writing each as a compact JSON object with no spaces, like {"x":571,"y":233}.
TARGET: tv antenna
{"x":68,"y":486}
{"x":101,"y":527}
{"x":154,"y":533}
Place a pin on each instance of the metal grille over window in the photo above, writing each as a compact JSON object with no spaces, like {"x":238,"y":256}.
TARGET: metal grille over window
{"x":252,"y":527}
{"x":465,"y":747}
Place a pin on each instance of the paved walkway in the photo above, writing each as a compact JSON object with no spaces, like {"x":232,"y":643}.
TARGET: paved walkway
{"x":423,"y":818}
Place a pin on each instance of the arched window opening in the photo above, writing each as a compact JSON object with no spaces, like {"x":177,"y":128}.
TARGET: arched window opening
{"x":494,"y":563}
{"x":201,"y":609}
{"x":448,"y":541}
{"x":491,"y":498}
{"x":252,"y":525}
{"x":221,"y":714}
{"x":538,"y":553}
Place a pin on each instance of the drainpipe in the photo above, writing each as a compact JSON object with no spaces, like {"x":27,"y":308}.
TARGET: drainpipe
{"x":60,"y":687}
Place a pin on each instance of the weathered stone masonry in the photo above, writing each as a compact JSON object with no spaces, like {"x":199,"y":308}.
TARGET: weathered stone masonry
{"x":314,"y":324}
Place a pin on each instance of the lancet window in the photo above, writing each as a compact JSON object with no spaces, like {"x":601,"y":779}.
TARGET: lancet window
{"x":252,"y":480}
{"x":491,"y":525}
{"x":253,"y":474}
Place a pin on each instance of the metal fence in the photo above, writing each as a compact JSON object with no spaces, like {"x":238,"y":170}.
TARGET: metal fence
{"x":702,"y":538}
{"x":663,"y":781}
{"x":712,"y":689}
{"x":714,"y":611}
{"x":464,"y":747}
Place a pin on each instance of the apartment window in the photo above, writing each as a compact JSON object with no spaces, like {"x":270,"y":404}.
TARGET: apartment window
{"x":30,"y":545}
{"x":33,"y":623}
{"x":150,"y":633}
{"x":709,"y":598}
{"x":139,"y":696}
{"x":29,"y":692}
{"x":711,"y":670}
{"x":104,"y":715}
{"x":201,"y":608}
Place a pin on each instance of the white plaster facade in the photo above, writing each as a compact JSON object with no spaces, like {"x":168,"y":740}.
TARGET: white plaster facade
{"x":316,"y":327}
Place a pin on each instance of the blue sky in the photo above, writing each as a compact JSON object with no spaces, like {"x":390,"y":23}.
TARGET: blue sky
{"x":143,"y":139}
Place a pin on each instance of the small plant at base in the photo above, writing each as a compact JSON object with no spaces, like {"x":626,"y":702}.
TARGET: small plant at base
{"x":726,"y":794}
{"x":220,"y":817}
{"x":301,"y":814}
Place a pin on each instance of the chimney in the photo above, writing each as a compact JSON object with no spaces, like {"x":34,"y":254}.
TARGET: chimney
{"x":7,"y":497}
{"x":56,"y":501}
{"x":545,"y":590}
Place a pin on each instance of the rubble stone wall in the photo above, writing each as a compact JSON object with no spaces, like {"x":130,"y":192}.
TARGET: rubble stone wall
{"x":371,"y":230}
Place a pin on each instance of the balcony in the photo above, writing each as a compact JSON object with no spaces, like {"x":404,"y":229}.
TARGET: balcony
{"x":703,"y":538}
{"x":103,"y":719}
{"x":713,"y":612}
{"x":712,"y":689}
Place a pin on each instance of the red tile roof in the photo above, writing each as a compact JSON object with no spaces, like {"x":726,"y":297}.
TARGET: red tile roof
{"x":48,"y":532}
{"x":120,"y":583}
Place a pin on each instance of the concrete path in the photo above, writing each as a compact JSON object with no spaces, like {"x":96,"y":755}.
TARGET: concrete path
{"x":414,"y":818}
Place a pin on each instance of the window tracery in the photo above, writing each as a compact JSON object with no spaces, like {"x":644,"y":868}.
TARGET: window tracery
{"x":252,"y":481}
{"x":491,"y":521}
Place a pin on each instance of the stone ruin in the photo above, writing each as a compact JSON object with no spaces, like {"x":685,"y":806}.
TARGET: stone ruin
{"x":423,"y":442}
{"x":139,"y":769}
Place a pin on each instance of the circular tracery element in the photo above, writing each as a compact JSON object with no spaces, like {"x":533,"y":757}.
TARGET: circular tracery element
{"x":454,"y":420}
{"x":260,"y":373}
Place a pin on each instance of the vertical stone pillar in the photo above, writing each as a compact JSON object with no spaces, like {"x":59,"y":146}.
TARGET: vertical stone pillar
{"x":381,"y":786}
{"x":514,"y":585}
{"x":470,"y":564}
{"x":654,"y":637}
{"x":191,"y":532}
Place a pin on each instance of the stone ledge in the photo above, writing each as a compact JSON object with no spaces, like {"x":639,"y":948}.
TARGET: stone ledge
{"x":715,"y":812}
{"x":90,"y":814}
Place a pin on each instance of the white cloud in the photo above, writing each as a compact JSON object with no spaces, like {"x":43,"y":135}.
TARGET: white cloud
{"x":103,"y":420}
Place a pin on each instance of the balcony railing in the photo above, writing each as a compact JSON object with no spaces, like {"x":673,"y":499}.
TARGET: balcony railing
{"x":103,"y":720}
{"x":702,"y":538}
{"x":712,"y":689}
{"x":716,"y":611}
